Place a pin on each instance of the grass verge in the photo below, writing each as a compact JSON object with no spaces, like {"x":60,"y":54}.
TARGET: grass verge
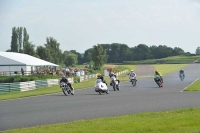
{"x":194,"y":87}
{"x":168,"y":68}
{"x":176,"y":121}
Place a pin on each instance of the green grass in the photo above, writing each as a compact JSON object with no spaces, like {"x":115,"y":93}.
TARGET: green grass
{"x":194,"y":87}
{"x":168,"y":68}
{"x":168,"y":60}
{"x":176,"y":121}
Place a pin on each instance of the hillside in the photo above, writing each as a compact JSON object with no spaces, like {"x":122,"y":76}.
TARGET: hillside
{"x":168,"y":60}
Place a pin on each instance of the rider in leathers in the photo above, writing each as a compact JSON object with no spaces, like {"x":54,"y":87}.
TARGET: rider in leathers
{"x":132,"y":74}
{"x":112,"y":74}
{"x":99,"y":76}
{"x":65,"y":80}
{"x":159,"y":74}
{"x":182,"y":72}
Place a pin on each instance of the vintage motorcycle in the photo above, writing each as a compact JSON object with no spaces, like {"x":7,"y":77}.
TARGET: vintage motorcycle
{"x":133,"y":80}
{"x":66,"y":89}
{"x":101,"y":87}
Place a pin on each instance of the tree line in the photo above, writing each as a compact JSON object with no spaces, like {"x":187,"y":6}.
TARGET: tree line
{"x":117,"y":53}
{"x":97,"y":55}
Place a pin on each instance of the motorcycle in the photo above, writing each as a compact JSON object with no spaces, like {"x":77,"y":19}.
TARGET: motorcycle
{"x":181,"y":75}
{"x":66,"y":89}
{"x":158,"y":81}
{"x":114,"y":83}
{"x":101,"y":87}
{"x":133,"y":80}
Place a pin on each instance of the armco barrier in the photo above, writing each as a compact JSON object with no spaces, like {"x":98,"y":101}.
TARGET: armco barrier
{"x":26,"y":86}
{"x":9,"y":87}
{"x":51,"y":82}
{"x":40,"y":83}
{"x":87,"y":77}
{"x":81,"y":78}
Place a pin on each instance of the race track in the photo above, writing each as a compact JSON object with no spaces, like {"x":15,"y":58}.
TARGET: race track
{"x":87,"y":104}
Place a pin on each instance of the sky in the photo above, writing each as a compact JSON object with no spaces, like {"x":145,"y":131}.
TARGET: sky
{"x":81,"y":24}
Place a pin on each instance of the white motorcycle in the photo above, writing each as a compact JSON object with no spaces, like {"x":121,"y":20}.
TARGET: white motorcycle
{"x":66,"y":89}
{"x":101,"y":87}
{"x":133,"y":80}
{"x":114,"y":82}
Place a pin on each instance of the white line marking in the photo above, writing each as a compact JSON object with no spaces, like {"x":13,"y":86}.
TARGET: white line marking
{"x":189,"y":85}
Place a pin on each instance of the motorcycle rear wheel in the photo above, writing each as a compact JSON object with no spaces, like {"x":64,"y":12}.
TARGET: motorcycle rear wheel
{"x":107,"y":92}
{"x":114,"y":87}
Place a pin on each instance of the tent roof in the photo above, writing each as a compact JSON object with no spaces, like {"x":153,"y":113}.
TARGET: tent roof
{"x":19,"y":59}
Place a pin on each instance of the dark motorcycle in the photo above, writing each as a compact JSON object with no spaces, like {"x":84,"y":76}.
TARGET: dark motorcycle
{"x":66,"y":89}
{"x":158,"y":81}
{"x":181,"y":75}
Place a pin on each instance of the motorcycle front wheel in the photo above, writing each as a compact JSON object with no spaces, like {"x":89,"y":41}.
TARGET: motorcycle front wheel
{"x":65,"y":91}
{"x":133,"y":82}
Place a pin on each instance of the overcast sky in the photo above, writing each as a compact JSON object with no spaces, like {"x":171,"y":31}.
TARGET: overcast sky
{"x":81,"y":24}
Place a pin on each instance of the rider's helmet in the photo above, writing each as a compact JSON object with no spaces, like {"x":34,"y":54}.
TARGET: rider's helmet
{"x":98,"y":75}
{"x":131,"y":71}
{"x":156,"y":71}
{"x":63,"y":77}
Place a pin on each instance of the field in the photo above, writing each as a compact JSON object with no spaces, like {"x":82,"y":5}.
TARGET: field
{"x":168,"y":68}
{"x":168,"y":60}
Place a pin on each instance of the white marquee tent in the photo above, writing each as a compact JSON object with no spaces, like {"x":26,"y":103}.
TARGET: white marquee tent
{"x":11,"y":62}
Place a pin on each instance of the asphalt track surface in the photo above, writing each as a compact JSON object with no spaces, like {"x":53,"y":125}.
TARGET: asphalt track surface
{"x":87,"y":104}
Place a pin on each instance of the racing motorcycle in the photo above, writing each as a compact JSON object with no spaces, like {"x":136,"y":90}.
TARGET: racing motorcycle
{"x":133,"y":80}
{"x":101,"y":87}
{"x":66,"y":89}
{"x":181,"y":75}
{"x":158,"y":81}
{"x":114,"y":82}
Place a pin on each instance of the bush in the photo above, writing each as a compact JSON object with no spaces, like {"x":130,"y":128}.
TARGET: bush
{"x":24,"y":79}
{"x":77,"y":79}
{"x":91,"y":70}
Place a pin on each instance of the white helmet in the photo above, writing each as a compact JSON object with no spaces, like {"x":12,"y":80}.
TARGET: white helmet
{"x":131,"y":70}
